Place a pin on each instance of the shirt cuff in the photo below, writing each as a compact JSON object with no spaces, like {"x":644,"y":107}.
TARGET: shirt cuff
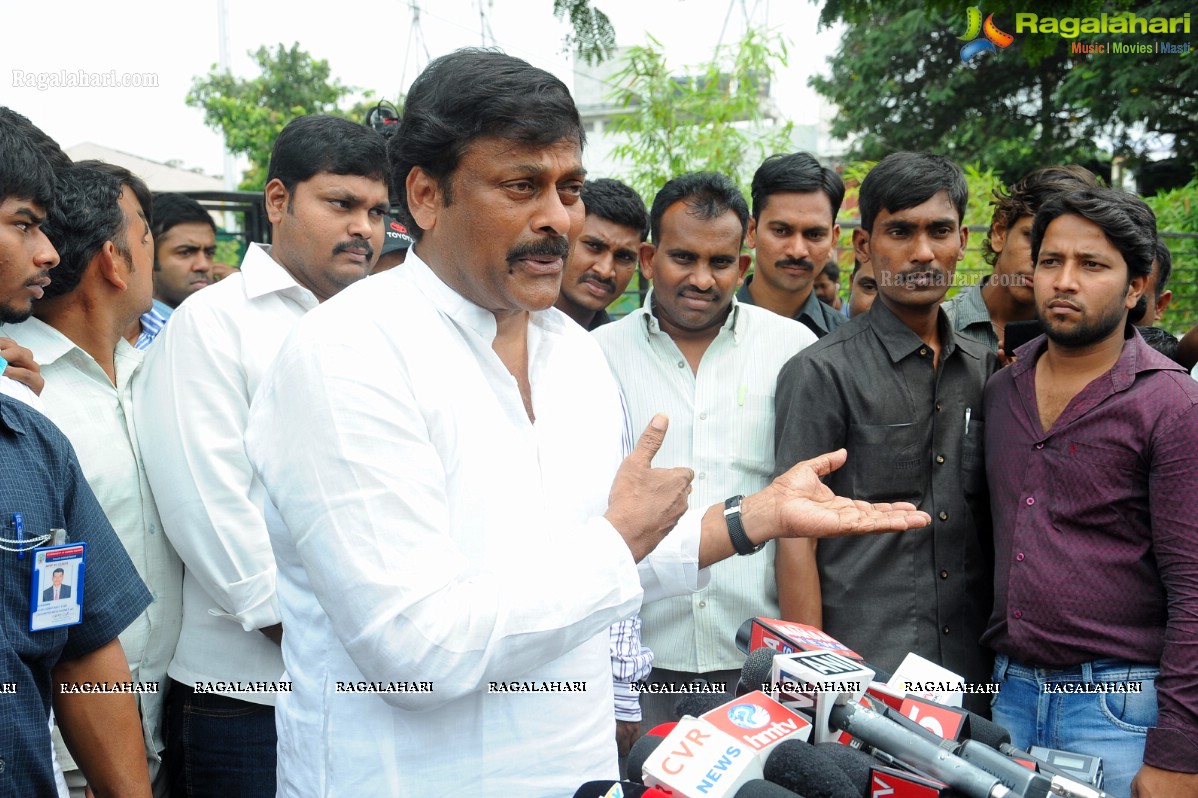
{"x":672,"y":569}
{"x":628,"y":702}
{"x":1171,"y":749}
{"x":255,"y":600}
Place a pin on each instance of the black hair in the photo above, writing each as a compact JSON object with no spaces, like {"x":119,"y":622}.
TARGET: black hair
{"x":1163,"y":264}
{"x":795,"y":171}
{"x":1126,"y":220}
{"x":832,"y":269}
{"x":83,"y":218}
{"x":1026,"y":196}
{"x":708,"y":195}
{"x":1162,"y":341}
{"x":903,"y":180}
{"x":467,"y":95}
{"x":58,"y":571}
{"x":319,"y":143}
{"x":171,"y":209}
{"x":615,"y":202}
{"x":25,"y":172}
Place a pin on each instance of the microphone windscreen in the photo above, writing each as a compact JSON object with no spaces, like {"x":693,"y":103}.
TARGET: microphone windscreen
{"x":987,"y":731}
{"x":758,"y":668}
{"x":641,"y":750}
{"x":760,"y":788}
{"x":605,"y":788}
{"x":696,"y":704}
{"x":853,"y":762}
{"x":798,"y":766}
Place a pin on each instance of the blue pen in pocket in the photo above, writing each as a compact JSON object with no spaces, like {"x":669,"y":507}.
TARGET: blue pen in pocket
{"x":18,"y":528}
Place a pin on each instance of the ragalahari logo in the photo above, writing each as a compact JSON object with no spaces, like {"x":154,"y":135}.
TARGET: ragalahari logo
{"x":991,"y":36}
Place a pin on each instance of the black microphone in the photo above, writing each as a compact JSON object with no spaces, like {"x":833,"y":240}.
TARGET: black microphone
{"x":853,"y":762}
{"x":798,"y":766}
{"x":641,"y":750}
{"x":756,"y":670}
{"x":760,"y":788}
{"x":696,"y":704}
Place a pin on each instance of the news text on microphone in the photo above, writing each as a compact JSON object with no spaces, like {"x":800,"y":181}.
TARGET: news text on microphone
{"x":1082,"y":688}
{"x":536,"y":687}
{"x":384,"y":687}
{"x":671,"y":688}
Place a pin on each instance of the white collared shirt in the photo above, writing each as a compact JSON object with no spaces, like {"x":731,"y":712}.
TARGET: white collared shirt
{"x":98,"y":418}
{"x":427,"y":531}
{"x":192,"y":409}
{"x":722,"y":427}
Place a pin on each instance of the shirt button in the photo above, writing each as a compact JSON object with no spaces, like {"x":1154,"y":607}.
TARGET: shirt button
{"x":681,"y":364}
{"x":1018,"y":613}
{"x":702,"y":604}
{"x":1039,"y":446}
{"x":946,"y":630}
{"x":702,"y":475}
{"x":923,"y":351}
{"x":1019,"y":557}
{"x":939,"y":458}
{"x":702,"y":416}
{"x":937,"y":407}
{"x":1030,"y":501}
{"x":944,"y":574}
{"x":943,"y":515}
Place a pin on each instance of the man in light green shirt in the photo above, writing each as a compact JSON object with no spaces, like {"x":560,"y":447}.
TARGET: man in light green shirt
{"x":710,"y":363}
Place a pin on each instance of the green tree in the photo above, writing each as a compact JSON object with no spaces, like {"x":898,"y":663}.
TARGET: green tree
{"x":713,"y":120}
{"x":250,"y":113}
{"x":900,"y":84}
{"x":594,"y":38}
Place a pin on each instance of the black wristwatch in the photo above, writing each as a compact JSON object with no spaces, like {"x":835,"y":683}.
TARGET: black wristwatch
{"x":736,"y":530}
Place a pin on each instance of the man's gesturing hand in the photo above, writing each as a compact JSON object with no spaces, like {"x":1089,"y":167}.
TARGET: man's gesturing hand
{"x":802,"y":506}
{"x":646,"y":502}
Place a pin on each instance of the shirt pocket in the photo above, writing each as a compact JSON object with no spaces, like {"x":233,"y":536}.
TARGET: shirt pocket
{"x":973,"y":459}
{"x":1098,"y":486}
{"x":887,"y":462}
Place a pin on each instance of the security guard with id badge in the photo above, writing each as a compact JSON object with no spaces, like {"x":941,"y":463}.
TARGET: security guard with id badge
{"x":62,"y":651}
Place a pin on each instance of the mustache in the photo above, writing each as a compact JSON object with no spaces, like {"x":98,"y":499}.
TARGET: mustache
{"x":710,"y":293}
{"x":355,"y":246}
{"x":594,"y":278}
{"x":804,"y":262}
{"x":556,"y":247}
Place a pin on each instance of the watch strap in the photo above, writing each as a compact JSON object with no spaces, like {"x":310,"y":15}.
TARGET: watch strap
{"x":736,"y":529}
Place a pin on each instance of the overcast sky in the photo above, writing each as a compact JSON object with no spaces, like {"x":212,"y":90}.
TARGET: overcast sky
{"x":370,"y":46}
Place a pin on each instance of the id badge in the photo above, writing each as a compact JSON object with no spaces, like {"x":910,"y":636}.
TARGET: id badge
{"x":56,"y":597}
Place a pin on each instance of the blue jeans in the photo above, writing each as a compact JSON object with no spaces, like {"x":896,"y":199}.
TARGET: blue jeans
{"x":219,"y":747}
{"x":1111,"y":725}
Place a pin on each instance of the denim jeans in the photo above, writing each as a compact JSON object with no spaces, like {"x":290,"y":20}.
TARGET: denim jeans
{"x":219,"y":747}
{"x":1112,"y":725}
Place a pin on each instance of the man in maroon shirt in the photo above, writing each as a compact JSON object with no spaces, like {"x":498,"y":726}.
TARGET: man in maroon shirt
{"x":1092,"y":456}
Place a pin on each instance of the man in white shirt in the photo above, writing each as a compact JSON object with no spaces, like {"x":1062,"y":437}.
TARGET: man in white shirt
{"x":99,"y":225}
{"x":442,"y":439}
{"x":710,"y":363}
{"x":325,"y":197}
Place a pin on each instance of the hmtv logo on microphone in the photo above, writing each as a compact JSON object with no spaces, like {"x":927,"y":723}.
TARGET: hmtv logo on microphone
{"x":758,"y":721}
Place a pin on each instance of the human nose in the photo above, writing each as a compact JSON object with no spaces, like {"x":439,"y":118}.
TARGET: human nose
{"x":361,"y":224}
{"x":554,"y":216}
{"x":922,"y":249}
{"x":45,"y":256}
{"x":702,"y":277}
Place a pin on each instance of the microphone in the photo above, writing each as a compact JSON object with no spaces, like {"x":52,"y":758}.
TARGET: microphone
{"x":637,"y":755}
{"x":760,"y":788}
{"x":836,"y":710}
{"x":853,"y":762}
{"x":696,"y":704}
{"x":887,"y":782}
{"x":787,"y":637}
{"x":755,"y":673}
{"x":617,"y":789}
{"x":716,"y":754}
{"x":798,"y":766}
{"x":1082,"y":782}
